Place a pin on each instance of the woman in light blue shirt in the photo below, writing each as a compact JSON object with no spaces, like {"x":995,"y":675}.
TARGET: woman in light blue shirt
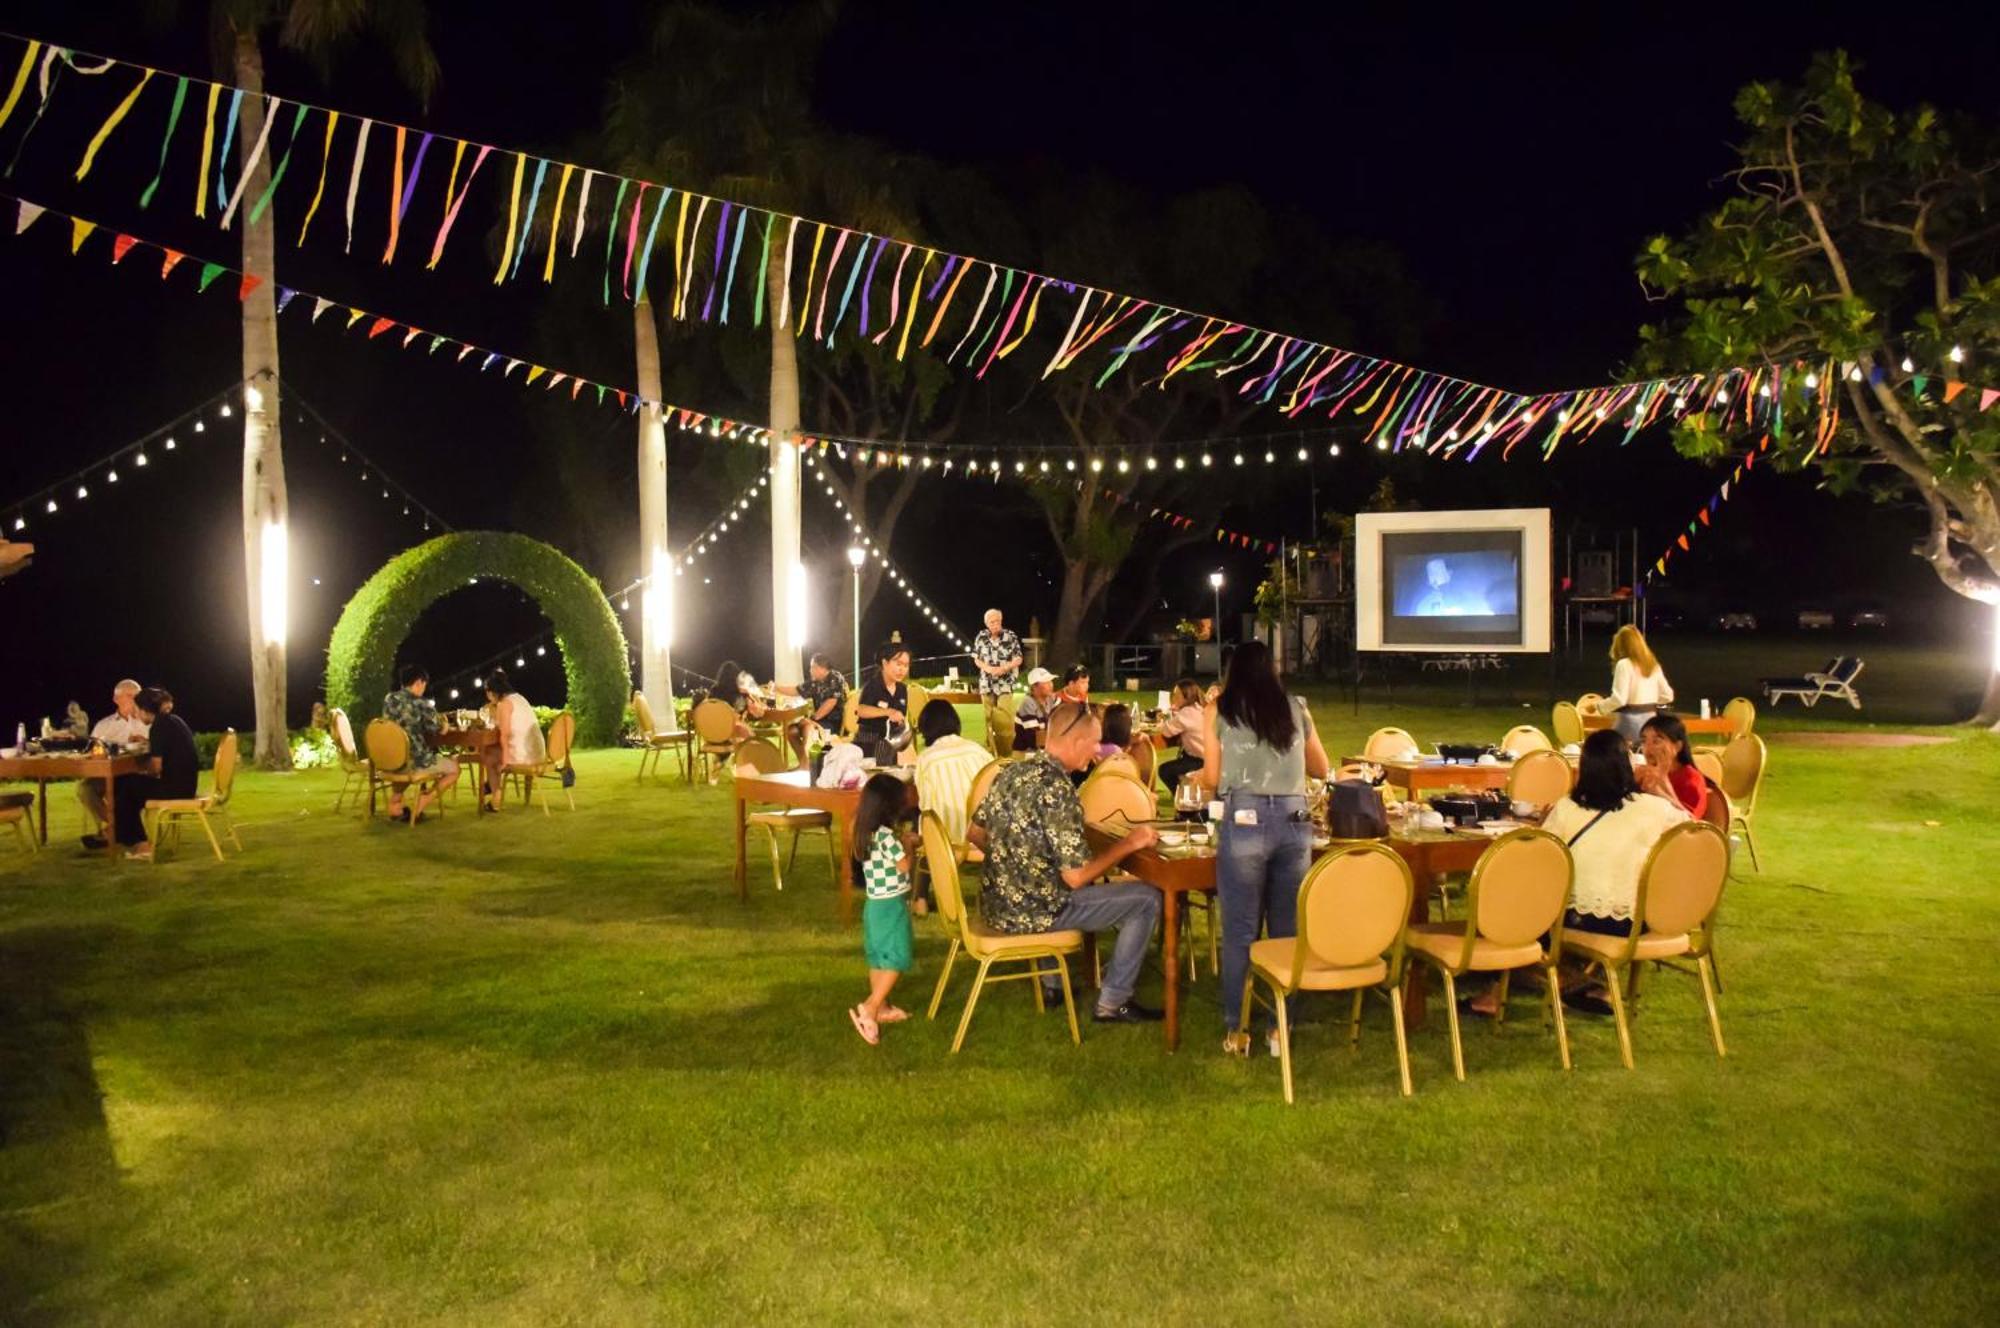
{"x":1261,"y":749}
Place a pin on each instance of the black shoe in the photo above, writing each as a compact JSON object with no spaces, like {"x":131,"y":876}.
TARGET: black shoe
{"x":1127,"y":1013}
{"x":1584,"y":1003}
{"x":1051,"y":995}
{"x":95,"y":843}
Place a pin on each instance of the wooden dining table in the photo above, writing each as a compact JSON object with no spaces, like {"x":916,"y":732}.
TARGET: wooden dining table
{"x":1714,"y":726}
{"x":1181,"y":871}
{"x":794,"y":788}
{"x":1419,"y":775}
{"x":73,"y":765}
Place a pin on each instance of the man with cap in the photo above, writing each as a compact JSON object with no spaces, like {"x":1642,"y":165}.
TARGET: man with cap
{"x":1031,"y":717}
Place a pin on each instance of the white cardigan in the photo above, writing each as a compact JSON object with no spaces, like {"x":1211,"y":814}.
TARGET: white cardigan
{"x":1629,"y":687}
{"x":1609,"y":858}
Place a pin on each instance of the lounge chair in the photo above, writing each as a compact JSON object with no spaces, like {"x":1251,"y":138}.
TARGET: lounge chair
{"x":1837,"y":680}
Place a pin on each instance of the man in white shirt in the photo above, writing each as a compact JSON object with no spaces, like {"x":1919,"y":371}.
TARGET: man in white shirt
{"x":123,"y":726}
{"x":1031,"y":716}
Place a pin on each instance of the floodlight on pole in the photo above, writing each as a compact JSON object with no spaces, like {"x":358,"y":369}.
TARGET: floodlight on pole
{"x":1215,"y":585}
{"x":857,"y":558}
{"x":272,"y":574}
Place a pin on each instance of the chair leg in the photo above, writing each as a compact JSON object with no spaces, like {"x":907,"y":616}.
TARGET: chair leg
{"x":1451,"y":1014}
{"x":833,"y":862}
{"x":1284,"y":1043}
{"x":965,"y":1020}
{"x":792,"y":858}
{"x":209,"y":830}
{"x":1249,"y":994}
{"x":1354,"y":1022}
{"x":1069,"y":1000}
{"x":1402,"y":1037}
{"x":1708,"y":996}
{"x":944,"y":978}
{"x":1035,"y":985}
{"x":1614,"y":986}
{"x":1556,"y":1005}
{"x":777,"y":872}
{"x":1500,"y":1007}
{"x":1750,"y":842}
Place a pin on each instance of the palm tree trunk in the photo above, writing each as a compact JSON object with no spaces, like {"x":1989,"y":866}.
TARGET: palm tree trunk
{"x":264,"y":505}
{"x":656,"y":560}
{"x":784,"y":422}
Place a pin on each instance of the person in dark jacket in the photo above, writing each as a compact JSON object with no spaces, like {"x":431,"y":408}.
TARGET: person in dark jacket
{"x":171,"y":769}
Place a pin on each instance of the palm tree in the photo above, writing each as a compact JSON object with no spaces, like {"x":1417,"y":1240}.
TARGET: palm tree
{"x":314,"y":28}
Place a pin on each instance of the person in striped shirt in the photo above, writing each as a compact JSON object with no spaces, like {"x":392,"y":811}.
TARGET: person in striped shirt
{"x":946,"y":767}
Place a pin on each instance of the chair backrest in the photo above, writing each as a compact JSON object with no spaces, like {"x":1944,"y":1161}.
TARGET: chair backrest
{"x":1709,"y":763}
{"x":759,"y":756}
{"x":1353,"y":904}
{"x":1107,"y":795}
{"x":388,"y":745}
{"x":1743,"y":769}
{"x":1681,"y":883}
{"x":1741,"y":712}
{"x":920,"y":696}
{"x":714,"y":721}
{"x":982,"y":784}
{"x":850,"y":714}
{"x":1519,"y":886}
{"x":1542,"y":777}
{"x":1567,"y":722}
{"x":562,"y":733}
{"x":1525,"y":738}
{"x":944,"y":871}
{"x":1143,"y":755}
{"x":1717,"y":812}
{"x":1589,"y":703}
{"x":1120,"y":764}
{"x":223,"y":777}
{"x":1000,"y":727}
{"x":643,"y":715}
{"x":1388,"y":742}
{"x":1849,"y":669}
{"x":343,"y":736}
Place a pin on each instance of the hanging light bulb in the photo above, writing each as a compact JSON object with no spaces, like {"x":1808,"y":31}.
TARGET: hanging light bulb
{"x":1096,"y":465}
{"x":112,"y":477}
{"x":1334,"y":450}
{"x":1956,"y":355}
{"x":1908,"y":366}
{"x":1812,"y":380}
{"x":1239,"y":458}
{"x":224,"y":412}
{"x":1123,"y":466}
{"x":1045,"y":467}
{"x":540,"y":651}
{"x":1381,"y":444}
{"x":1206,"y":459}
{"x":478,"y":682}
{"x":82,"y":492}
{"x":1070,"y":465}
{"x":454,"y":693}
{"x":199,"y":427}
{"x":520,"y":663}
{"x":1180,"y":463}
{"x":20,"y":523}
{"x":52,"y":504}
{"x":1854,"y":374}
{"x":170,"y":444}
{"x":139,"y":460}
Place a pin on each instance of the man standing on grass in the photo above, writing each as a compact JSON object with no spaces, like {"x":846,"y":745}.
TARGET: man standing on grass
{"x":996,"y":653}
{"x":1039,"y":870}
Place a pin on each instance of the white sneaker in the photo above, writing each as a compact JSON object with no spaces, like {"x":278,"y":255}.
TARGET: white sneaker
{"x":1271,"y":1041}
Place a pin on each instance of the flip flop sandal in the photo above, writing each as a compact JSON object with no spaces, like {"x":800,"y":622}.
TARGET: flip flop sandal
{"x":866,"y":1027}
{"x":890,"y":1014}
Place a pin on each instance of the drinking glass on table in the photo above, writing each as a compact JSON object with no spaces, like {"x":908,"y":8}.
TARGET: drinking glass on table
{"x":1190,"y":799}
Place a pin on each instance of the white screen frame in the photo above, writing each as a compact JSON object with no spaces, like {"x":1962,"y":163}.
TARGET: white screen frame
{"x":1536,"y":606}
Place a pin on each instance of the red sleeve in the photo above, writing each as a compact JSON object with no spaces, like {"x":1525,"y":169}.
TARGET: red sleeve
{"x":1691,"y":789}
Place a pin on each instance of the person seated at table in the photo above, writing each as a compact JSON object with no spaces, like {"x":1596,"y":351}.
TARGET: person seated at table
{"x":1610,"y":827}
{"x":884,"y":703}
{"x":407,"y":710}
{"x":736,"y":686}
{"x":1262,"y":749}
{"x":946,"y":766}
{"x":1076,"y":684}
{"x":171,"y":769}
{"x":824,"y":691}
{"x":521,"y":742}
{"x":1669,"y":771}
{"x":123,"y":728}
{"x":1115,"y":736}
{"x":1039,"y":870}
{"x":1187,"y":725}
{"x":1031,"y":715}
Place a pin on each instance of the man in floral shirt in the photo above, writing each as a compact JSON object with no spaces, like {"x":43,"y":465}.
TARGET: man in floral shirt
{"x":1039,"y":869}
{"x":996,"y":653}
{"x":418,"y":719}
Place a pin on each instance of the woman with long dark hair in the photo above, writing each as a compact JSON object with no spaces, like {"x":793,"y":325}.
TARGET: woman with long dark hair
{"x":1260,"y":749}
{"x":1669,"y":771}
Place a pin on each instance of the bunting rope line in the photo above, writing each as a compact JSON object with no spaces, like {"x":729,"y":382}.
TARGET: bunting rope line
{"x":133,"y":456}
{"x":1706,"y":512}
{"x":1417,"y":408}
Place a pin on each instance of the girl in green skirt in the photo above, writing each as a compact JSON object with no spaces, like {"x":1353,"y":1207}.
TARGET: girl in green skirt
{"x":882,"y":860}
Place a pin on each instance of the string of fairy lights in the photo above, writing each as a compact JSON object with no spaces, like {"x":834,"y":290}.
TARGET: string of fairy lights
{"x":369,"y":472}
{"x":931,"y":613}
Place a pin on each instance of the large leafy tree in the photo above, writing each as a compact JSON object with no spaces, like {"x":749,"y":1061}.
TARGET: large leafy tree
{"x":1869,"y":239}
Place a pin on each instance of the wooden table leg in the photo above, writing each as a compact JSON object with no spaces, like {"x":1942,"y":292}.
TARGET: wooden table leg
{"x":1414,"y":986}
{"x":842,"y":831}
{"x":1170,"y":957}
{"x":42,"y":808}
{"x":110,"y":814}
{"x":742,"y":833}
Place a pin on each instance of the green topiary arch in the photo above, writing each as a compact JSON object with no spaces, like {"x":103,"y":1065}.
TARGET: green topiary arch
{"x":361,"y":657}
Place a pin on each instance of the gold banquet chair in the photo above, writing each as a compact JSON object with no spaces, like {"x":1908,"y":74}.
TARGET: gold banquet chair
{"x":1524,"y":738}
{"x":1566,"y":722}
{"x":1542,"y":777}
{"x":1388,"y":743}
{"x":1000,"y":727}
{"x":1516,"y":895}
{"x":656,"y":742}
{"x":355,"y":769}
{"x":1673,"y":917}
{"x":1742,"y":779}
{"x":555,"y":759}
{"x":165,"y":815}
{"x":759,"y":756}
{"x":989,"y":947}
{"x":1106,"y":795}
{"x":15,"y":812}
{"x":389,"y":756}
{"x":1353,"y":905}
{"x":714,"y":725}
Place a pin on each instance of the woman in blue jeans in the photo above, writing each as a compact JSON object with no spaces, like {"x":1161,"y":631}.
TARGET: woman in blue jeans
{"x":1261,"y":747}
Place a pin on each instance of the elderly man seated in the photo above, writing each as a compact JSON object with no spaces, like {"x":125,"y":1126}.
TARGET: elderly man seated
{"x":1040,"y":874}
{"x":124,"y":726}
{"x":1031,"y":716}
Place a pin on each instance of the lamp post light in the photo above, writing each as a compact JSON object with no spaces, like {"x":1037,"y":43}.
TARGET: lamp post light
{"x":1215,"y":585}
{"x":856,"y":558}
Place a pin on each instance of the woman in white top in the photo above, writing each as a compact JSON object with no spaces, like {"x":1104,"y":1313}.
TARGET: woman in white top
{"x":520,"y":735}
{"x":1187,"y":724}
{"x":1639,"y":686}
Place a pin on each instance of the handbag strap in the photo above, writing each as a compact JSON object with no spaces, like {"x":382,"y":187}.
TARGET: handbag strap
{"x":1571,"y":841}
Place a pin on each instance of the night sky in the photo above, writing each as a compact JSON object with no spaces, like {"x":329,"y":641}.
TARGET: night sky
{"x":1515,"y":161}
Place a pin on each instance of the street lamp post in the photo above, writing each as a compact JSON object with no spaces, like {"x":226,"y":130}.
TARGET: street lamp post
{"x":856,"y":556}
{"x":1215,"y":584}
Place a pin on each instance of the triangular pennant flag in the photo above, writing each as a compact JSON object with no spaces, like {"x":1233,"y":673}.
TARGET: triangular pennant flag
{"x":249,"y":283}
{"x":487,"y":363}
{"x":555,"y":380}
{"x":379,"y":326}
{"x":1951,"y":390}
{"x":534,"y":371}
{"x":170,"y":260}
{"x":465,"y":349}
{"x":1682,"y":541}
{"x":1661,"y":565}
{"x":320,"y":306}
{"x":354,"y":316}
{"x":435,"y":343}
{"x":600,"y":394}
{"x":575,"y":386}
{"x":410,"y":336}
{"x":1703,"y":514}
{"x":1988,"y":396}
{"x":621,"y":398}
{"x":29,"y":212}
{"x":285,"y":295}
{"x":1918,"y":383}
{"x":121,"y":245}
{"x":209,"y":272}
{"x":512,"y":365}
{"x":79,"y":231}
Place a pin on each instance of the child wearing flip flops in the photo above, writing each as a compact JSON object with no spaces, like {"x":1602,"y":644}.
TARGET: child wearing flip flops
{"x":882,"y":859}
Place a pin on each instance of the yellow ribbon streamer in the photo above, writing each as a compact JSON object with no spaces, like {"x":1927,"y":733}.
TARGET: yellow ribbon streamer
{"x":903,"y":341}
{"x":805,"y":304}
{"x":325,"y":157}
{"x":207,"y":152}
{"x":111,"y":123}
{"x":20,"y":81}
{"x":680,"y":236}
{"x":513,"y":218}
{"x":555,"y":218}
{"x":395,"y":198}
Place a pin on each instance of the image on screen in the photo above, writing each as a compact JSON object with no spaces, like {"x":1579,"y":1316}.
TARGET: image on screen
{"x":1451,"y":586}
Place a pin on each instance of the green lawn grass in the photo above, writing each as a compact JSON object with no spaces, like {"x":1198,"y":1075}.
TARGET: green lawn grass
{"x":529,"y":1070}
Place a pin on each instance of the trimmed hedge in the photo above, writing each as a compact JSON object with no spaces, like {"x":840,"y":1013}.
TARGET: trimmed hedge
{"x":361,"y":657}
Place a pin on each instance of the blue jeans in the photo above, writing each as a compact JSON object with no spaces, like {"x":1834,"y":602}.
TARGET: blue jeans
{"x":1257,"y":873}
{"x":1134,"y":909}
